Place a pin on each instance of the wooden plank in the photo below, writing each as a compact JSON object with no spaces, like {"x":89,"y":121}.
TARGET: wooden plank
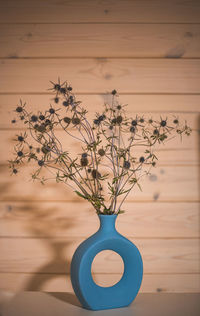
{"x":155,"y":11}
{"x":174,"y":153}
{"x":161,"y":220}
{"x":186,"y":155}
{"x":53,"y":255}
{"x":101,"y":75}
{"x":192,"y":120}
{"x":152,"y":283}
{"x":148,"y":106}
{"x":100,"y":40}
{"x":167,"y":183}
{"x":169,"y":104}
{"x":8,"y":138}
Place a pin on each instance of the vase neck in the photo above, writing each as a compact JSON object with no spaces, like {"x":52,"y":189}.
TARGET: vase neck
{"x":107,"y":222}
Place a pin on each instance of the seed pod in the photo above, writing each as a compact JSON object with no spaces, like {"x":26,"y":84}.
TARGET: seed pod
{"x":41,"y":128}
{"x":126,"y":164}
{"x":42,"y":117}
{"x":41,"y":163}
{"x":96,"y":121}
{"x":66,"y":103}
{"x":163,"y":123}
{"x":19,"y":109}
{"x":101,"y":118}
{"x":47,"y":122}
{"x":119,"y":119}
{"x":132,"y":129}
{"x":57,"y":87}
{"x":62,"y":90}
{"x":46,"y":149}
{"x":95,"y":174}
{"x":84,"y":155}
{"x":51,"y":110}
{"x":84,"y":162}
{"x":141,"y":159}
{"x":75,"y":120}
{"x":114,"y":121}
{"x":155,"y":132}
{"x":101,"y":152}
{"x":20,"y":138}
{"x":34,"y":118}
{"x":67,"y":119}
{"x":134,"y":122}
{"x":20,"y":153}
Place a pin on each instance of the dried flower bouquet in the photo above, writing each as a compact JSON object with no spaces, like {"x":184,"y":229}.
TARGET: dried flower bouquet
{"x":115,"y":152}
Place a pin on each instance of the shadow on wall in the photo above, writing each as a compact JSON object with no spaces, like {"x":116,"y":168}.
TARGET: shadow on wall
{"x":42,"y":222}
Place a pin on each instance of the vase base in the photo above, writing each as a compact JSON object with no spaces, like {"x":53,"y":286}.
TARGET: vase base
{"x":106,"y":308}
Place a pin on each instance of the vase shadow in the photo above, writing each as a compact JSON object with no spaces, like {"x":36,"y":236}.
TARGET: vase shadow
{"x":50,"y":270}
{"x":43,"y":225}
{"x":67,"y":297}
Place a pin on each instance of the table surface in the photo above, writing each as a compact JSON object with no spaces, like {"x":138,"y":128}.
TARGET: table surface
{"x":60,"y":304}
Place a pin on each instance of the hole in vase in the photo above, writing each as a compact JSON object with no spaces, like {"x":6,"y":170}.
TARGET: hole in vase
{"x":107,"y":268}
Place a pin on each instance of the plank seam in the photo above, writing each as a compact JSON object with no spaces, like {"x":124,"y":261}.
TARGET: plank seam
{"x":100,"y":273}
{"x":103,"y":93}
{"x":85,"y":237}
{"x":73,"y":201}
{"x":98,"y":22}
{"x":94,"y":57}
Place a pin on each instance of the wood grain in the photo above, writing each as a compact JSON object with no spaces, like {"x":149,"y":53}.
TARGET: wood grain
{"x":53,"y":219}
{"x":55,"y":11}
{"x":167,"y":183}
{"x":53,"y":255}
{"x":100,"y":40}
{"x":152,"y":283}
{"x":102,"y":75}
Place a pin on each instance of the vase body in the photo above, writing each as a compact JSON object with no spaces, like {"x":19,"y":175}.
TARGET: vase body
{"x":121,"y":294}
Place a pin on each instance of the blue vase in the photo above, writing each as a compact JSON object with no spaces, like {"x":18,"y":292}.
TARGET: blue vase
{"x":121,"y":294}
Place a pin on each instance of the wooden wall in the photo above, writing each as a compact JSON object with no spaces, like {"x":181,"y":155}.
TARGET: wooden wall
{"x":149,"y":51}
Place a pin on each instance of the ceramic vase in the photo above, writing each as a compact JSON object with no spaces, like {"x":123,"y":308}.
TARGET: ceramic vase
{"x":121,"y":294}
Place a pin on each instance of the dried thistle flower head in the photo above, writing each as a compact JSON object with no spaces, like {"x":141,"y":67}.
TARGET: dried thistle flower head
{"x":109,"y":165}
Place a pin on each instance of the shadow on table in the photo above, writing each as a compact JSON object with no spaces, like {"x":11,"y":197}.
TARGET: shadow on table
{"x":66,"y":297}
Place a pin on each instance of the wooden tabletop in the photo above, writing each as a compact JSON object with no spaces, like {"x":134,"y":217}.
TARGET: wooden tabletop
{"x":66,"y":304}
